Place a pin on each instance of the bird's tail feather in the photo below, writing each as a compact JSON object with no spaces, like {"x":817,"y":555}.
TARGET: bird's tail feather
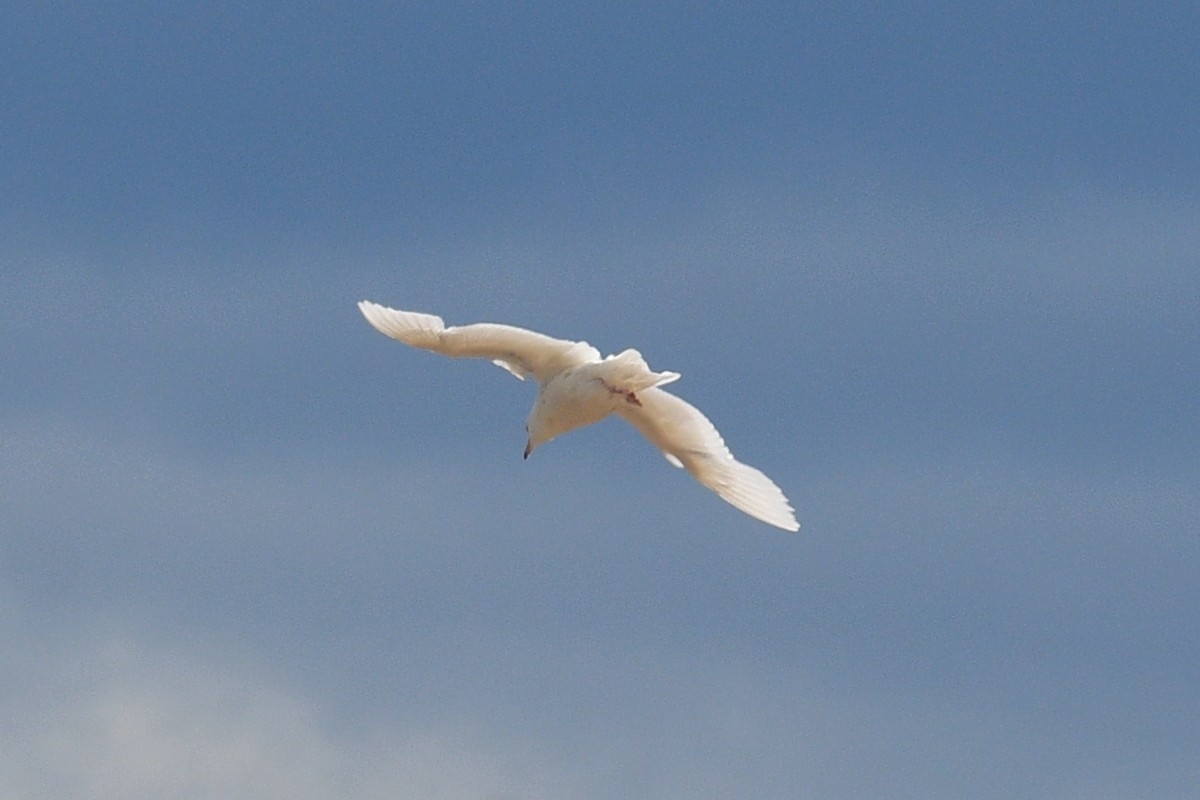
{"x":630,"y":371}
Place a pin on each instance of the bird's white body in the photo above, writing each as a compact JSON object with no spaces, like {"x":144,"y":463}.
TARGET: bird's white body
{"x":577,"y":387}
{"x":588,"y":393}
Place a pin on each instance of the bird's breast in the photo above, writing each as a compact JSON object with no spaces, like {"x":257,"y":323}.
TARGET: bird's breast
{"x":578,"y":398}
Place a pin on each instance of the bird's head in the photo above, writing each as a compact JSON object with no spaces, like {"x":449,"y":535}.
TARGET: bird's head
{"x":535,"y":435}
{"x":543,"y":425}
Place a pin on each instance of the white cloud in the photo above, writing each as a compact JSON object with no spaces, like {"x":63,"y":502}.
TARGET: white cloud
{"x":115,"y":718}
{"x":930,"y":617}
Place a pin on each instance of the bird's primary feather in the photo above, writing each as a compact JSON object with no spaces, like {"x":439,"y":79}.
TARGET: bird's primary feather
{"x":522,"y":352}
{"x":688,"y":439}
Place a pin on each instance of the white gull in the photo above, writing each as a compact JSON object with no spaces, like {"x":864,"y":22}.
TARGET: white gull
{"x":577,"y":387}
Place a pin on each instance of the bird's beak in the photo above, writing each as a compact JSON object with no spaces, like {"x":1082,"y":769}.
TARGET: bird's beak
{"x":528,"y":449}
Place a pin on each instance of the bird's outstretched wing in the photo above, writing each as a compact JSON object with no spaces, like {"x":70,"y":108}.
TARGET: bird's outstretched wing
{"x":689,"y":440}
{"x":521,"y":352}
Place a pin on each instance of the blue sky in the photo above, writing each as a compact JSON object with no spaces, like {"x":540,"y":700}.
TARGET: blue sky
{"x":934,"y":268}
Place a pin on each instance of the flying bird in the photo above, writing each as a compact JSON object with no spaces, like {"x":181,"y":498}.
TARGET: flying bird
{"x":576,"y":387}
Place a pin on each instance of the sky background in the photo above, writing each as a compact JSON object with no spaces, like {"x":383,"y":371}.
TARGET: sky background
{"x":933,"y":267}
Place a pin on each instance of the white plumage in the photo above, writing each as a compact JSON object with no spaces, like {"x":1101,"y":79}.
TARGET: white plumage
{"x":577,"y":387}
